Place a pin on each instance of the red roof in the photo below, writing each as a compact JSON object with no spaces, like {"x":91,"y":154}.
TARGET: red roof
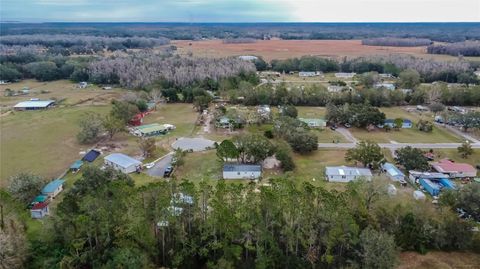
{"x":449,"y":166}
{"x":39,"y":206}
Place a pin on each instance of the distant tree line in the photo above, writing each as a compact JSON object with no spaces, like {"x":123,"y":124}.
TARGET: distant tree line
{"x":239,"y":40}
{"x":397,"y":42}
{"x":466,"y":48}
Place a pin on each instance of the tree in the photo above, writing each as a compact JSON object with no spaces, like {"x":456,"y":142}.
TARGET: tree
{"x":468,"y":198}
{"x":411,"y":159}
{"x":123,"y":111}
{"x":436,"y":107}
{"x":13,"y":241}
{"x":227,"y":150}
{"x":468,"y":120}
{"x":289,"y":111}
{"x":378,"y":249}
{"x":465,"y":149}
{"x":368,"y":79}
{"x":283,"y":153}
{"x":9,"y":73}
{"x":113,"y":125}
{"x":368,"y":153}
{"x":303,"y":141}
{"x":24,"y":187}
{"x":142,"y":105}
{"x":253,"y":148}
{"x":147,"y":146}
{"x":91,"y":126}
{"x":398,"y":123}
{"x":201,"y":102}
{"x":425,"y":126}
{"x":43,"y":71}
{"x":409,"y":78}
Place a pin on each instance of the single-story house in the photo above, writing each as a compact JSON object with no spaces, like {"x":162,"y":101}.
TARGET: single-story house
{"x":242,"y":171}
{"x":123,"y":163}
{"x":346,"y":174}
{"x":391,"y":122}
{"x":309,"y":73}
{"x":314,"y":123}
{"x":91,"y":155}
{"x":393,"y":172}
{"x":39,"y":210}
{"x":34,"y":105}
{"x":344,"y":75}
{"x":386,"y":75}
{"x":150,"y":130}
{"x":415,"y":176}
{"x":453,"y":169}
{"x":76,"y":165}
{"x":334,"y":88}
{"x":248,"y":57}
{"x":53,"y":188}
{"x":388,"y":86}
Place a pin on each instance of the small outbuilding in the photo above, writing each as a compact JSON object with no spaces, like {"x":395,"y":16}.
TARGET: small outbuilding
{"x":39,"y":210}
{"x":242,"y":171}
{"x":314,"y":123}
{"x":53,"y":188}
{"x":123,"y":163}
{"x":34,"y":105}
{"x":91,"y":156}
{"x":393,"y":172}
{"x":75,"y":167}
{"x":346,"y":174}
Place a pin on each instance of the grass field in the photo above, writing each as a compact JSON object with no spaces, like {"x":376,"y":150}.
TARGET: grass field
{"x":439,"y":260}
{"x":200,"y":166}
{"x":42,"y":142}
{"x":413,"y":135}
{"x":58,"y":90}
{"x":282,"y":49}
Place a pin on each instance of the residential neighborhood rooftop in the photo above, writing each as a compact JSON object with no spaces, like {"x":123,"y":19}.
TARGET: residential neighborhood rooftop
{"x":34,"y":103}
{"x":445,"y":166}
{"x":346,"y":170}
{"x":122,"y":160}
{"x":242,"y":168}
{"x":53,"y":185}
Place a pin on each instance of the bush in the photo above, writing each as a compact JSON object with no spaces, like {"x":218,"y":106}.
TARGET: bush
{"x":268,"y":134}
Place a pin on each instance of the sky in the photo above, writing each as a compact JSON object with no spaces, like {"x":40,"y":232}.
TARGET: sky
{"x":241,"y":10}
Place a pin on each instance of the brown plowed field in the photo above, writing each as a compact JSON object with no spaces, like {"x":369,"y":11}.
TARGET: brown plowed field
{"x":282,"y":49}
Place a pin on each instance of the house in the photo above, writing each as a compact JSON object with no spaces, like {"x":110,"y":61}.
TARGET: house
{"x":34,"y":104}
{"x":344,"y":75}
{"x":269,"y":73}
{"x":242,"y":171}
{"x":422,"y":108}
{"x":390,"y":122}
{"x":123,"y":163}
{"x":393,"y":172}
{"x":91,"y":155}
{"x":75,"y":167}
{"x":248,"y":57}
{"x":107,"y":87}
{"x":334,"y":88}
{"x":314,"y":123}
{"x":453,"y":169}
{"x":309,"y":73}
{"x":386,"y":75}
{"x":415,"y":176}
{"x":53,"y":188}
{"x":39,"y":210}
{"x":40,"y":199}
{"x":346,"y":174}
{"x":148,"y":130}
{"x":388,"y":86}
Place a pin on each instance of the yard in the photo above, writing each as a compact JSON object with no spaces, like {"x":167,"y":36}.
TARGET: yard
{"x":59,"y":90}
{"x":198,"y":166}
{"x":453,"y":154}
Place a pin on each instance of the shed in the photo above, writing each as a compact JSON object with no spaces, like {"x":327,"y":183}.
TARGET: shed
{"x":34,"y":105}
{"x":123,"y":163}
{"x":76,"y":165}
{"x":346,"y":174}
{"x":242,"y":171}
{"x":91,"y":156}
{"x":418,"y":195}
{"x":393,"y":172}
{"x":39,"y":210}
{"x":314,"y":123}
{"x":40,"y":199}
{"x":53,"y":188}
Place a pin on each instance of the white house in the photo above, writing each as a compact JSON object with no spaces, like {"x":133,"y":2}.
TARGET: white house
{"x":334,"y":88}
{"x":388,"y":86}
{"x":346,"y":174}
{"x":248,"y":57}
{"x":39,"y":210}
{"x":53,"y":188}
{"x":123,"y":163}
{"x":242,"y":171}
{"x":345,"y":75}
{"x":34,"y":105}
{"x":393,"y":172}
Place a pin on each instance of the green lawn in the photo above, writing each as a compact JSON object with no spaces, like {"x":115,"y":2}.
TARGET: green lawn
{"x":200,"y":166}
{"x":453,"y":154}
{"x":312,"y":166}
{"x":41,"y":142}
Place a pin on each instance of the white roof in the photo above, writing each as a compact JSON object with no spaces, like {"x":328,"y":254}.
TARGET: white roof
{"x":34,"y":103}
{"x":345,"y":170}
{"x":122,"y":160}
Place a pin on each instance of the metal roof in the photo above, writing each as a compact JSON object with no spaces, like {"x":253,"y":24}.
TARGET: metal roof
{"x":77,"y":164}
{"x":32,"y":104}
{"x":150,"y":128}
{"x":91,"y":155}
{"x":122,"y":160}
{"x":392,"y":170}
{"x":242,"y":168}
{"x":346,"y":170}
{"x":52,"y":186}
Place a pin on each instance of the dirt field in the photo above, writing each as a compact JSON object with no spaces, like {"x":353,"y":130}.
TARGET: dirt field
{"x":440,"y":260}
{"x":281,"y":49}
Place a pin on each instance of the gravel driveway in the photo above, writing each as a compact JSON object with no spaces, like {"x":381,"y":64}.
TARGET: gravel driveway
{"x":159,"y":168}
{"x":195,"y":144}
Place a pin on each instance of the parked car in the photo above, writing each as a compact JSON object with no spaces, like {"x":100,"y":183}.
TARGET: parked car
{"x":333,"y":127}
{"x":347,"y":125}
{"x":168,"y":171}
{"x":149,"y":165}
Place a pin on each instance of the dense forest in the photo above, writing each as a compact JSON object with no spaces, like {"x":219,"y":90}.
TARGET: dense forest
{"x":104,"y":221}
{"x":445,"y":32}
{"x":467,"y":48}
{"x":396,"y":42}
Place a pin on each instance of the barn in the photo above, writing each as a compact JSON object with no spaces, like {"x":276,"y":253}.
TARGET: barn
{"x":34,"y":105}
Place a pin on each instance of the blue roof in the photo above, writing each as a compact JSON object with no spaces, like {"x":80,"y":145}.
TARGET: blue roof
{"x":76,"y":165}
{"x":52,"y":186}
{"x":91,"y":155}
{"x":122,"y":160}
{"x":242,"y":168}
{"x":392,"y":170}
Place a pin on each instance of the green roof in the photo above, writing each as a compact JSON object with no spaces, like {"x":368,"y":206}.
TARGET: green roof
{"x":40,"y":198}
{"x":151,"y":128}
{"x":316,"y":122}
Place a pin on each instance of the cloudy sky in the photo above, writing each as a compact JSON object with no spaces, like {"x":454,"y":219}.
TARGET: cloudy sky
{"x":242,"y":10}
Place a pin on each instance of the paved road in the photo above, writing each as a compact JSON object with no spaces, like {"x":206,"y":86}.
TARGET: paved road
{"x":159,"y":168}
{"x":394,"y":146}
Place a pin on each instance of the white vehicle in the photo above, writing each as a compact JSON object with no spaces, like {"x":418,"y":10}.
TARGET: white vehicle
{"x":149,"y":165}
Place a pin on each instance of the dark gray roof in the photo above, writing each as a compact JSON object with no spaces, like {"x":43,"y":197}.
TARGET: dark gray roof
{"x":242,"y":168}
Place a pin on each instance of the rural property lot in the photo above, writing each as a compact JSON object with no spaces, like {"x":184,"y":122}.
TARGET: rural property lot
{"x":282,"y":49}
